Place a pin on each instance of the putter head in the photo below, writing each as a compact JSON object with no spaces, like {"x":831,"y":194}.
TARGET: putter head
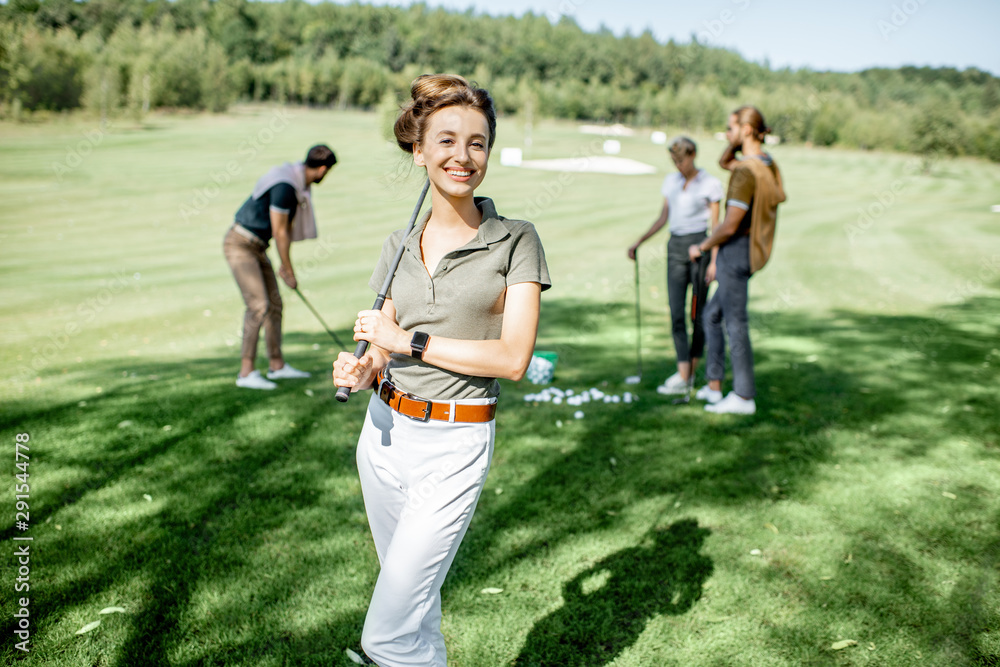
{"x":633,"y":379}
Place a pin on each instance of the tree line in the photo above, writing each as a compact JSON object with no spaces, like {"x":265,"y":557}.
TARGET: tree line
{"x":126,"y":57}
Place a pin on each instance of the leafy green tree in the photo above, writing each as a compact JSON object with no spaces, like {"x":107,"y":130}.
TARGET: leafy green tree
{"x":233,"y":27}
{"x":936,"y":132}
{"x":41,"y":69}
{"x":135,"y":55}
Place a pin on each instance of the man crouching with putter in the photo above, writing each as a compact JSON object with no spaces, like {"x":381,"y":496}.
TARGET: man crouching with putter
{"x":462,"y":311}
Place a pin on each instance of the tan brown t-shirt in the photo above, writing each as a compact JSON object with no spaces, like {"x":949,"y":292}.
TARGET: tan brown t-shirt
{"x":740,"y":195}
{"x":461,"y":300}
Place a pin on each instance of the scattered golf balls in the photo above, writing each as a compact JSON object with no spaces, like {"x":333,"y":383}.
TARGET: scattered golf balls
{"x":557,"y":396}
{"x":578,"y":414}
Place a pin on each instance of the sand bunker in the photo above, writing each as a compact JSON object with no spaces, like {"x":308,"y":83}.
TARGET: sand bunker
{"x":596,"y":164}
{"x":608,"y":130}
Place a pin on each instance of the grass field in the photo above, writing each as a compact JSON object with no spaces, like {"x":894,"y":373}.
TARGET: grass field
{"x":860,"y":502}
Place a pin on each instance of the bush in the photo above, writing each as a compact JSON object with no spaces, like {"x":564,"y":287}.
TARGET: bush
{"x":41,"y":70}
{"x":984,"y":137}
{"x":936,"y":130}
{"x":876,"y":130}
{"x":363,"y":83}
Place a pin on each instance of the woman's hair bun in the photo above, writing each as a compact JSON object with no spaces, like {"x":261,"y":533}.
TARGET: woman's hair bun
{"x":431,"y":92}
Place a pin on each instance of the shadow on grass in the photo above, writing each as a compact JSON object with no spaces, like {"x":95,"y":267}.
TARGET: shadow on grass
{"x":259,"y":498}
{"x":607,"y":606}
{"x":230,"y":470}
{"x":856,"y":375}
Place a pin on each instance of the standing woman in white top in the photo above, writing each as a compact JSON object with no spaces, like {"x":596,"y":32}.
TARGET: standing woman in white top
{"x":691,"y":205}
{"x":462,"y":311}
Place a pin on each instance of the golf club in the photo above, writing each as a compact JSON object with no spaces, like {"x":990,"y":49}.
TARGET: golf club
{"x":696,"y":306}
{"x":700,"y":270}
{"x":637,"y":378}
{"x":344,"y":393}
{"x":306,"y":301}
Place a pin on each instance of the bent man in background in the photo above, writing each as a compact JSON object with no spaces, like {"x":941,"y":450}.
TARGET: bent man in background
{"x":280,"y":208}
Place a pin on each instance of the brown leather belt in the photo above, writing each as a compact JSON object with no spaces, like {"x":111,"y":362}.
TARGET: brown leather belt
{"x":418,"y":408}
{"x":248,"y":235}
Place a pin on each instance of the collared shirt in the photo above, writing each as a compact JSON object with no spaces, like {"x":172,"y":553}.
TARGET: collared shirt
{"x":464,"y":299}
{"x":689,"y":206}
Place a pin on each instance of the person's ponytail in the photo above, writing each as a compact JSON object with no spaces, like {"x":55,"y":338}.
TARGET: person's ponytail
{"x":751,"y":115}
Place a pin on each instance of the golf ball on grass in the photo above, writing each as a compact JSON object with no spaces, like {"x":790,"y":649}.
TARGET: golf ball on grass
{"x":557,"y":396}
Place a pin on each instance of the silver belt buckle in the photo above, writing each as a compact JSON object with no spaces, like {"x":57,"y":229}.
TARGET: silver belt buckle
{"x":427,"y":410}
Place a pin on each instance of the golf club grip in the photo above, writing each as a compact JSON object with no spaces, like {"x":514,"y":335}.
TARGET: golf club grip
{"x":344,"y":393}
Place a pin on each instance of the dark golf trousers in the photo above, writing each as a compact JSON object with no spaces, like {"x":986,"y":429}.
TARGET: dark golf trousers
{"x":729,"y":304}
{"x":681,"y":272}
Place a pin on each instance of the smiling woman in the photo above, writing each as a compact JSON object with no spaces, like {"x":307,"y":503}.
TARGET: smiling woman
{"x":462,"y":311}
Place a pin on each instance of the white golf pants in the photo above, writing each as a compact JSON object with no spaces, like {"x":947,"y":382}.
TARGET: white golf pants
{"x":421,"y":482}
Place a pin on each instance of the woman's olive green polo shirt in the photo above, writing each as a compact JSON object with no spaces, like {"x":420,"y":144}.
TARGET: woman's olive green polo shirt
{"x":462,"y":300}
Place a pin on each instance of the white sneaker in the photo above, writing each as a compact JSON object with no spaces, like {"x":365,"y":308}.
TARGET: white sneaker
{"x":254,"y":381}
{"x":674,"y":385}
{"x":733,"y":404}
{"x":287,"y":372}
{"x":706,"y":393}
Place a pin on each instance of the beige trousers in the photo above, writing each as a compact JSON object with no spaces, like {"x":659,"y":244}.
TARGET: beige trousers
{"x":259,"y":286}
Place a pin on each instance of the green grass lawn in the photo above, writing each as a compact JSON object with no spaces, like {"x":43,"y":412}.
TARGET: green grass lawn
{"x":859,"y":503}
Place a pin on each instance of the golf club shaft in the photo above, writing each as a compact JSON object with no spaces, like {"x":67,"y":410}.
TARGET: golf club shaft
{"x":328,"y":330}
{"x":344,"y":393}
{"x":638,"y":320}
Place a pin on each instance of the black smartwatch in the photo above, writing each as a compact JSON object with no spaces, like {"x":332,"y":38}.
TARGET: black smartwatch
{"x":418,"y":344}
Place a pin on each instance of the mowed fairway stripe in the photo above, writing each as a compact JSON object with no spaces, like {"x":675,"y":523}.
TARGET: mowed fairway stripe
{"x":150,"y":203}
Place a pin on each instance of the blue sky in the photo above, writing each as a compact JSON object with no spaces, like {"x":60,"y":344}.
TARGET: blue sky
{"x":844,"y":35}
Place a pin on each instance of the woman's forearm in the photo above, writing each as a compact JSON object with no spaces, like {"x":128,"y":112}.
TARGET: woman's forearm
{"x":482,"y":358}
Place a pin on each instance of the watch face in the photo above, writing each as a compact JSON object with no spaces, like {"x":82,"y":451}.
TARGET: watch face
{"x":418,"y":343}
